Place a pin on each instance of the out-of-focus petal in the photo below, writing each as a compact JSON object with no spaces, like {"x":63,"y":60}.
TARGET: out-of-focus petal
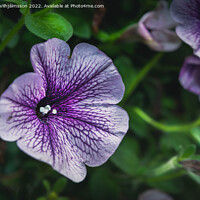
{"x":165,"y":40}
{"x":154,"y":195}
{"x":154,"y":29}
{"x":187,"y":14}
{"x":160,"y":18}
{"x":190,"y":73}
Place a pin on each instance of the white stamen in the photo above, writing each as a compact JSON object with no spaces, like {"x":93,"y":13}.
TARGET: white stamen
{"x":54,"y":111}
{"x":45,"y":110}
{"x":42,"y":109}
{"x":48,"y":107}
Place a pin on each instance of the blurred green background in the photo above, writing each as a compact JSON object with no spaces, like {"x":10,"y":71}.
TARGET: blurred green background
{"x":141,"y":161}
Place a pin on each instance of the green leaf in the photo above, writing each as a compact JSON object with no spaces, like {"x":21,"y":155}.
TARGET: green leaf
{"x":173,"y":141}
{"x":49,"y":25}
{"x":195,"y":132}
{"x":126,"y":156}
{"x":46,"y":185}
{"x":60,"y":185}
{"x":14,"y":1}
{"x":194,"y":177}
{"x":188,"y":152}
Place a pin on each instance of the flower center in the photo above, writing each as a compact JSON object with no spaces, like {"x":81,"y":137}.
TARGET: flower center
{"x":45,"y":110}
{"x":44,"y":107}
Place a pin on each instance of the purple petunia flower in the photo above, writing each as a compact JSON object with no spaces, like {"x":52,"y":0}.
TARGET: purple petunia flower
{"x":190,"y":73}
{"x":63,"y":114}
{"x":154,"y":30}
{"x":187,"y":14}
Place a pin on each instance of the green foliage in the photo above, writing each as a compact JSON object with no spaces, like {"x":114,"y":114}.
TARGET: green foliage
{"x":162,"y":147}
{"x":126,"y":156}
{"x":24,"y":9}
{"x":14,"y":1}
{"x":46,"y":185}
{"x":195,"y":177}
{"x":187,"y":152}
{"x":137,"y":125}
{"x":195,"y":132}
{"x":49,"y":25}
{"x":103,"y":186}
{"x":60,"y":185}
{"x":127,"y":71}
{"x":5,"y":27}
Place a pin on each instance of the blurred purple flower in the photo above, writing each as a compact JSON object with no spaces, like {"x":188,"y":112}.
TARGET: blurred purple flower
{"x":154,"y":194}
{"x":187,"y":14}
{"x":64,"y":114}
{"x":190,"y":73}
{"x":155,"y":30}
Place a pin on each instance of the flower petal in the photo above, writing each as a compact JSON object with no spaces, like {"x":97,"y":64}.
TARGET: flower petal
{"x":160,"y":18}
{"x":46,"y":143}
{"x":165,"y":40}
{"x":89,"y":75}
{"x":49,"y":59}
{"x":17,"y":106}
{"x":187,"y":14}
{"x":92,"y":77}
{"x":83,"y":134}
{"x":154,"y":194}
{"x":154,"y":29}
{"x":94,"y":132}
{"x":190,"y":73}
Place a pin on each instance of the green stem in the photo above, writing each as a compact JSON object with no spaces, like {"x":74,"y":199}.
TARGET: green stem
{"x":163,"y":127}
{"x":105,"y":37}
{"x":12,"y":33}
{"x":14,"y":30}
{"x":46,"y":10}
{"x":141,"y":75}
{"x":161,"y":173}
{"x":20,"y":23}
{"x":166,"y":167}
